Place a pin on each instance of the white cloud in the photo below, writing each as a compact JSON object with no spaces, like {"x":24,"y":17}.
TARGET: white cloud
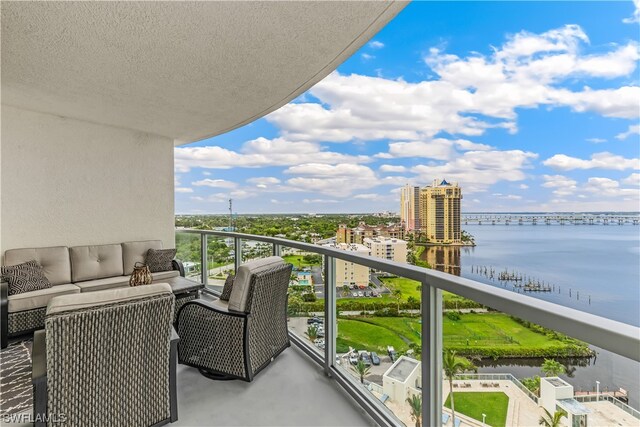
{"x":342,"y":178}
{"x":216,"y":183}
{"x":603,"y":160}
{"x":322,"y":201}
{"x":392,"y":168}
{"x":375,"y":44}
{"x":367,"y":56}
{"x":507,"y":196}
{"x":205,"y":173}
{"x":183,"y":190}
{"x":526,"y":72}
{"x":264,"y":180}
{"x":438,"y":149}
{"x":608,"y":187}
{"x":596,"y":140}
{"x":636,"y":14}
{"x":477,"y":170}
{"x":633,"y":180}
{"x":257,"y":153}
{"x":562,"y":185}
{"x":632,"y":130}
{"x":523,"y":186}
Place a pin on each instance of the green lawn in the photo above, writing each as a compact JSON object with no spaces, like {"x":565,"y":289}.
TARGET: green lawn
{"x":364,"y":336}
{"x":409,"y":288}
{"x":298,"y":261}
{"x":486,"y":334}
{"x":474,"y":404}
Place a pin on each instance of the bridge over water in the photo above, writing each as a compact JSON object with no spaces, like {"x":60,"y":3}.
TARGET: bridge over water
{"x":550,"y":219}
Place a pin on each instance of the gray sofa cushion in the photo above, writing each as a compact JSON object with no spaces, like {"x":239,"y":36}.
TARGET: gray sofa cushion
{"x":39,"y":299}
{"x":103,"y":284}
{"x":133,"y":252}
{"x":54,"y":261}
{"x":161,"y":275}
{"x":95,"y":262}
{"x":240,"y":289}
{"x":25,"y":277}
{"x":95,"y":299}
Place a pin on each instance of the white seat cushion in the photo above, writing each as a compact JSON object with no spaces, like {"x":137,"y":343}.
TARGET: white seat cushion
{"x":95,"y":262}
{"x":54,"y":261}
{"x":95,"y":299}
{"x":38,"y":299}
{"x":161,"y":275}
{"x":103,"y":284}
{"x":133,"y":252}
{"x":240,"y":290}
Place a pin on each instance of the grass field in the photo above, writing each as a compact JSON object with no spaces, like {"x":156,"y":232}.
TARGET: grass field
{"x":480,"y":333}
{"x":298,"y":261}
{"x":409,"y":288}
{"x":474,"y":404}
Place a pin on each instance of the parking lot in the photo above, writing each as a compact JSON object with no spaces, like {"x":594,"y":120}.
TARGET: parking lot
{"x":298,"y":325}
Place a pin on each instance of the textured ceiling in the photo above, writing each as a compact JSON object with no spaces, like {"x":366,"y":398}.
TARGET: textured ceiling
{"x":185,"y":70}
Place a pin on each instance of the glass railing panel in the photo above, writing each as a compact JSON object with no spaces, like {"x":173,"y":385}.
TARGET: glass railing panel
{"x":378,"y":323}
{"x":502,"y":363}
{"x":189,"y":250}
{"x":254,"y":249}
{"x":306,"y":296}
{"x":220,"y":261}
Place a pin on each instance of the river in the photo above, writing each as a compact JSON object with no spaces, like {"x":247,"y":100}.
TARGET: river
{"x":590,"y":268}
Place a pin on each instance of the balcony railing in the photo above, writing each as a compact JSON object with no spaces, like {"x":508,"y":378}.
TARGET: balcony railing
{"x":617,"y":337}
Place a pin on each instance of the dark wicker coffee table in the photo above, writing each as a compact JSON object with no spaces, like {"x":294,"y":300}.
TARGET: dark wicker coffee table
{"x":184,"y":289}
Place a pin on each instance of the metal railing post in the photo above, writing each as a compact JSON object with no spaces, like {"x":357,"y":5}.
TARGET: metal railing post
{"x":277,"y":249}
{"x":330,"y":318}
{"x":431,"y":355}
{"x":237,"y":259}
{"x":204,"y":264}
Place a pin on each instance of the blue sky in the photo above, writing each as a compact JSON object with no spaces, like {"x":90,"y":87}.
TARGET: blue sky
{"x":529,"y":106}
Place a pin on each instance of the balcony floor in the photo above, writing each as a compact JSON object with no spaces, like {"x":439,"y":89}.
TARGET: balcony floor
{"x":291,"y":391}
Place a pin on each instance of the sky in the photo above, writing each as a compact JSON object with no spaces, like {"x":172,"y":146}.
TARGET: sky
{"x":528,"y":106}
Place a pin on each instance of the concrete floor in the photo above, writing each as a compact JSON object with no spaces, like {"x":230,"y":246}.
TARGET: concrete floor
{"x":291,"y":391}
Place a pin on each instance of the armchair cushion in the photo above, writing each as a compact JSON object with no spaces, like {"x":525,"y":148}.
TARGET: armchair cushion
{"x":242,"y":282}
{"x":103,"y":284}
{"x":38,"y":299}
{"x":163,"y":275}
{"x":228,"y":286}
{"x":160,"y":259}
{"x":94,"y":299}
{"x":25,"y":277}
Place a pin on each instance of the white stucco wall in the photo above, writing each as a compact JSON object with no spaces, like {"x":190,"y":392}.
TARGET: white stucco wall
{"x":70,"y":182}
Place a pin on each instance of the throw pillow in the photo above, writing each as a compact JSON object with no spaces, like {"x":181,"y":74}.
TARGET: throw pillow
{"x":226,"y":291}
{"x":25,"y":277}
{"x":160,"y":259}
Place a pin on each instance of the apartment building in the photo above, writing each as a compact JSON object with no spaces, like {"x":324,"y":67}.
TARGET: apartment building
{"x":349,"y":273}
{"x":440,"y":212}
{"x":387,"y":248}
{"x":410,"y":208}
{"x":363,"y":231}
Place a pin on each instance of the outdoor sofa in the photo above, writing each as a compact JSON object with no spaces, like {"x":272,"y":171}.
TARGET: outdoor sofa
{"x":78,"y":270}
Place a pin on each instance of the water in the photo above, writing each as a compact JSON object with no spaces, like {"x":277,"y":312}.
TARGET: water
{"x":600,"y":262}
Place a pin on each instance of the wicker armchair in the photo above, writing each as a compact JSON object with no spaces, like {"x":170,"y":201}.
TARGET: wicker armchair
{"x":107,"y":358}
{"x":238,"y":338}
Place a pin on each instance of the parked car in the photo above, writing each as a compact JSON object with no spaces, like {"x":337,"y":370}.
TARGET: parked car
{"x":314,"y":320}
{"x":353,"y":358}
{"x":392,"y":353}
{"x":365,"y":357}
{"x":375,"y":359}
{"x":360,"y":294}
{"x":355,"y":294}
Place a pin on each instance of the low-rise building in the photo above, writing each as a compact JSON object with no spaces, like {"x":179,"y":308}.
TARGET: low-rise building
{"x":349,"y":273}
{"x":363,"y":231}
{"x":402,"y":379}
{"x":387,"y":248}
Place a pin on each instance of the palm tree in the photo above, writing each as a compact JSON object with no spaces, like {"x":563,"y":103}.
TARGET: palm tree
{"x":549,"y":420}
{"x":361,"y":369}
{"x":397,"y":293}
{"x":312,"y":332}
{"x":415,"y":403}
{"x":452,"y":366}
{"x":552,"y":368}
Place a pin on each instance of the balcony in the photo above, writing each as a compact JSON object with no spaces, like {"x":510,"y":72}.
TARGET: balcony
{"x":370,"y":397}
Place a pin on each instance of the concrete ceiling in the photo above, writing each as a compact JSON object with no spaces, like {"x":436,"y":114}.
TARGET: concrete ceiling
{"x":185,"y":70}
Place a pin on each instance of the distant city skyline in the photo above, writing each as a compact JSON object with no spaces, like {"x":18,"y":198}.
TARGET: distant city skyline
{"x":529,"y":106}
